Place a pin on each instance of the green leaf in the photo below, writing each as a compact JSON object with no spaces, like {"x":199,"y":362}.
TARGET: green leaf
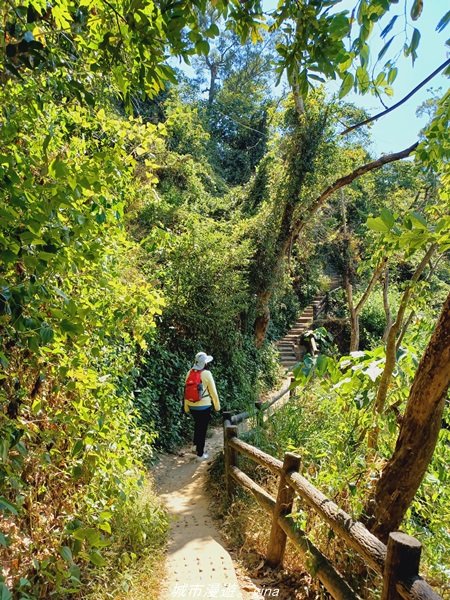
{"x":202,"y":47}
{"x":411,"y":49}
{"x":212,"y":31}
{"x":58,"y":169}
{"x":388,"y":27}
{"x":352,"y":487}
{"x":91,"y":535}
{"x":97,"y":559}
{"x":416,"y":9}
{"x":5,"y":594}
{"x":3,"y":540}
{"x":385,"y":48}
{"x":380,"y":79}
{"x":387,"y":217}
{"x":363,"y":79}
{"x":46,"y":333}
{"x":66,"y":554}
{"x":71,"y":328}
{"x":377,"y":224}
{"x":105,"y":526}
{"x":5,"y":505}
{"x":321,"y":364}
{"x":364,"y":55}
{"x":346,"y":86}
{"x":443,"y":22}
{"x":392,"y":75}
{"x":418,"y":220}
{"x":78,"y":447}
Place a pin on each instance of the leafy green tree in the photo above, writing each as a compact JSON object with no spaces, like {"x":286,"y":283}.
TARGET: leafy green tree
{"x":74,"y":311}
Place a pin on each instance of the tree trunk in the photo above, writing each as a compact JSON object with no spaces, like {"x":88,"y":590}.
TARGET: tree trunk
{"x":354,"y":337}
{"x":305,"y":153}
{"x":418,"y":435}
{"x":391,"y":343}
{"x":354,"y":318}
{"x":262,"y":318}
{"x":213,"y":70}
{"x":387,"y":307}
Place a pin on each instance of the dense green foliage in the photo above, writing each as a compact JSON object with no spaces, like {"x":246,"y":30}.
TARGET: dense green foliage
{"x":71,"y":329}
{"x":141,"y":222}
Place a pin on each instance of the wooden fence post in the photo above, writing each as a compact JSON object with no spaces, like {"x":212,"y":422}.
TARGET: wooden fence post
{"x":292,"y":392}
{"x":402,"y":563}
{"x":259,"y":413}
{"x":283,"y":507}
{"x":230,"y":432}
{"x":226,"y":415}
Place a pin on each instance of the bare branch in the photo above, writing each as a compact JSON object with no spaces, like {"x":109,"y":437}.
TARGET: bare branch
{"x":347,"y":179}
{"x":400,"y":102}
{"x":376,"y":275}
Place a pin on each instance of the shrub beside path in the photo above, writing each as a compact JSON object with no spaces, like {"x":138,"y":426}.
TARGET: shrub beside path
{"x":198,"y":565}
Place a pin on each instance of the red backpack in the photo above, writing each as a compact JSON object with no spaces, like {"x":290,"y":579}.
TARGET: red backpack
{"x":193,"y":388}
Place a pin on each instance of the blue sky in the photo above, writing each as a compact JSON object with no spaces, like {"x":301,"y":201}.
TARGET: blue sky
{"x":400,"y":128}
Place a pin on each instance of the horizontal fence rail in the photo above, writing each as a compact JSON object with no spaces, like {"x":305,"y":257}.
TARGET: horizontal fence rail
{"x":397,"y":563}
{"x":259,"y":407}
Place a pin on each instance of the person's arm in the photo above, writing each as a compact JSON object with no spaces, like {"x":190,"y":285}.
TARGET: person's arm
{"x":212,"y":391}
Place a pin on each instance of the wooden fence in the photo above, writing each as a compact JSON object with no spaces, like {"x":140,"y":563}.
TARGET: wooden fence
{"x":398,"y":562}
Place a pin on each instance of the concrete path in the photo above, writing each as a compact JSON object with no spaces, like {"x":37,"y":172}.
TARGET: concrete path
{"x":198,"y":565}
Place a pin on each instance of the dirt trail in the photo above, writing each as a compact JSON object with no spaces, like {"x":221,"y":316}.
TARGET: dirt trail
{"x":198,"y":565}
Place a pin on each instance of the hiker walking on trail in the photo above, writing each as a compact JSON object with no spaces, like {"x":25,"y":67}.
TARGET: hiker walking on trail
{"x":200,"y":394}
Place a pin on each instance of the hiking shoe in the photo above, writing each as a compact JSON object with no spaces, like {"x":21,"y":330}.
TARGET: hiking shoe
{"x":204,"y":456}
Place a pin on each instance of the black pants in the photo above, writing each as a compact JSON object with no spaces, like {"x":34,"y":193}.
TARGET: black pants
{"x":201,"y":421}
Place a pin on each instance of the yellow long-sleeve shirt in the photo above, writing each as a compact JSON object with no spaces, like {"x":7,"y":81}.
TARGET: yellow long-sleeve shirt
{"x":209,"y":393}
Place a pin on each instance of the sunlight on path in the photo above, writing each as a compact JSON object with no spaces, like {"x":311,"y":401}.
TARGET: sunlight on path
{"x":197,"y":566}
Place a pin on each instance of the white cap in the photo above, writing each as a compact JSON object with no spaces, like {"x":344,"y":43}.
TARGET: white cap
{"x":201,"y":359}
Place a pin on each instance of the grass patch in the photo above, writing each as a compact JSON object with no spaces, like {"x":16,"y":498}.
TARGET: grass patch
{"x":135,"y":560}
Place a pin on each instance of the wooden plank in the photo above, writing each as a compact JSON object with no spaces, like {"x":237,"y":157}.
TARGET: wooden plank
{"x":230,"y":458}
{"x":283,"y":507}
{"x":236,"y":419}
{"x":317,"y":562}
{"x":353,"y":532}
{"x":257,"y":455}
{"x":260,"y":494}
{"x":277,"y":397}
{"x":416,"y":589}
{"x":402,"y":562}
